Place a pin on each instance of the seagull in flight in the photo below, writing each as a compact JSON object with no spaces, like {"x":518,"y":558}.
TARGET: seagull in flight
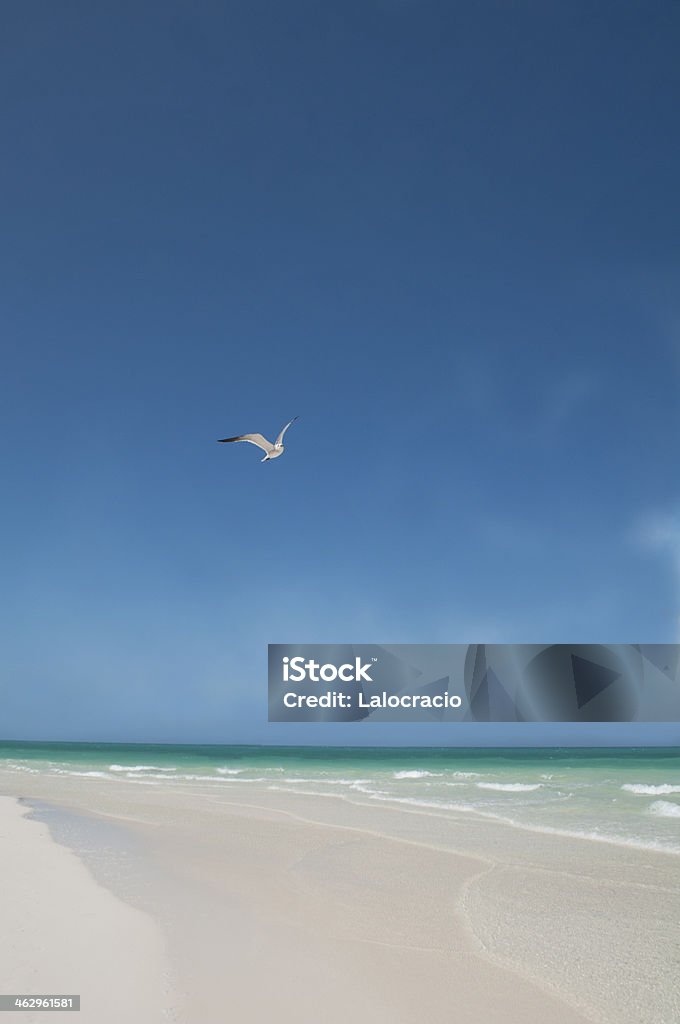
{"x":271,"y":451}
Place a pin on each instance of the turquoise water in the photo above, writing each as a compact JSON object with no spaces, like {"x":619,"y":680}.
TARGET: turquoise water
{"x":628,"y":796}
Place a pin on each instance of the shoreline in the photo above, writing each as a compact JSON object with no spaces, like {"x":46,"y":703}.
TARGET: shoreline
{"x":64,"y":933}
{"x":403,"y":916}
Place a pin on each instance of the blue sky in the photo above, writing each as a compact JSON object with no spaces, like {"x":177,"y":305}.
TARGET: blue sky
{"x":443,"y":234}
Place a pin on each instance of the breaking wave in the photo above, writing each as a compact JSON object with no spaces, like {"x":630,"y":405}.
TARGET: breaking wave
{"x":665,"y":809}
{"x":510,"y":787}
{"x":643,"y":790}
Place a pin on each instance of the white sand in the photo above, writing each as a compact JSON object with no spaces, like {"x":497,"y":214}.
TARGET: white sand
{"x":302,"y":909}
{"x":64,"y":934}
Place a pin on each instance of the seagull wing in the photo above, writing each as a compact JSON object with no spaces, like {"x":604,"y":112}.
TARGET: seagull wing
{"x":257,"y":439}
{"x":279,"y":439}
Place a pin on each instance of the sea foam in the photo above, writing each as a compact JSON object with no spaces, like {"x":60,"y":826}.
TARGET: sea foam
{"x":665,"y":809}
{"x":71,"y":771}
{"x":644,"y":790}
{"x":510,"y":787}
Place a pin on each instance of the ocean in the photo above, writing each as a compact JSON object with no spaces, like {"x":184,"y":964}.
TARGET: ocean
{"x":624,"y":796}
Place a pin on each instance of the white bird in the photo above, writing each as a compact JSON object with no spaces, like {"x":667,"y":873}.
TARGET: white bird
{"x":272,"y":451}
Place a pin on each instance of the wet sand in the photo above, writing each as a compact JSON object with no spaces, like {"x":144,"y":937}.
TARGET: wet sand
{"x":62,"y":933}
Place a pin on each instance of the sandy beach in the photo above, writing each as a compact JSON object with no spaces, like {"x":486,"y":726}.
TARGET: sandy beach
{"x":199,"y":903}
{"x":64,"y":933}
